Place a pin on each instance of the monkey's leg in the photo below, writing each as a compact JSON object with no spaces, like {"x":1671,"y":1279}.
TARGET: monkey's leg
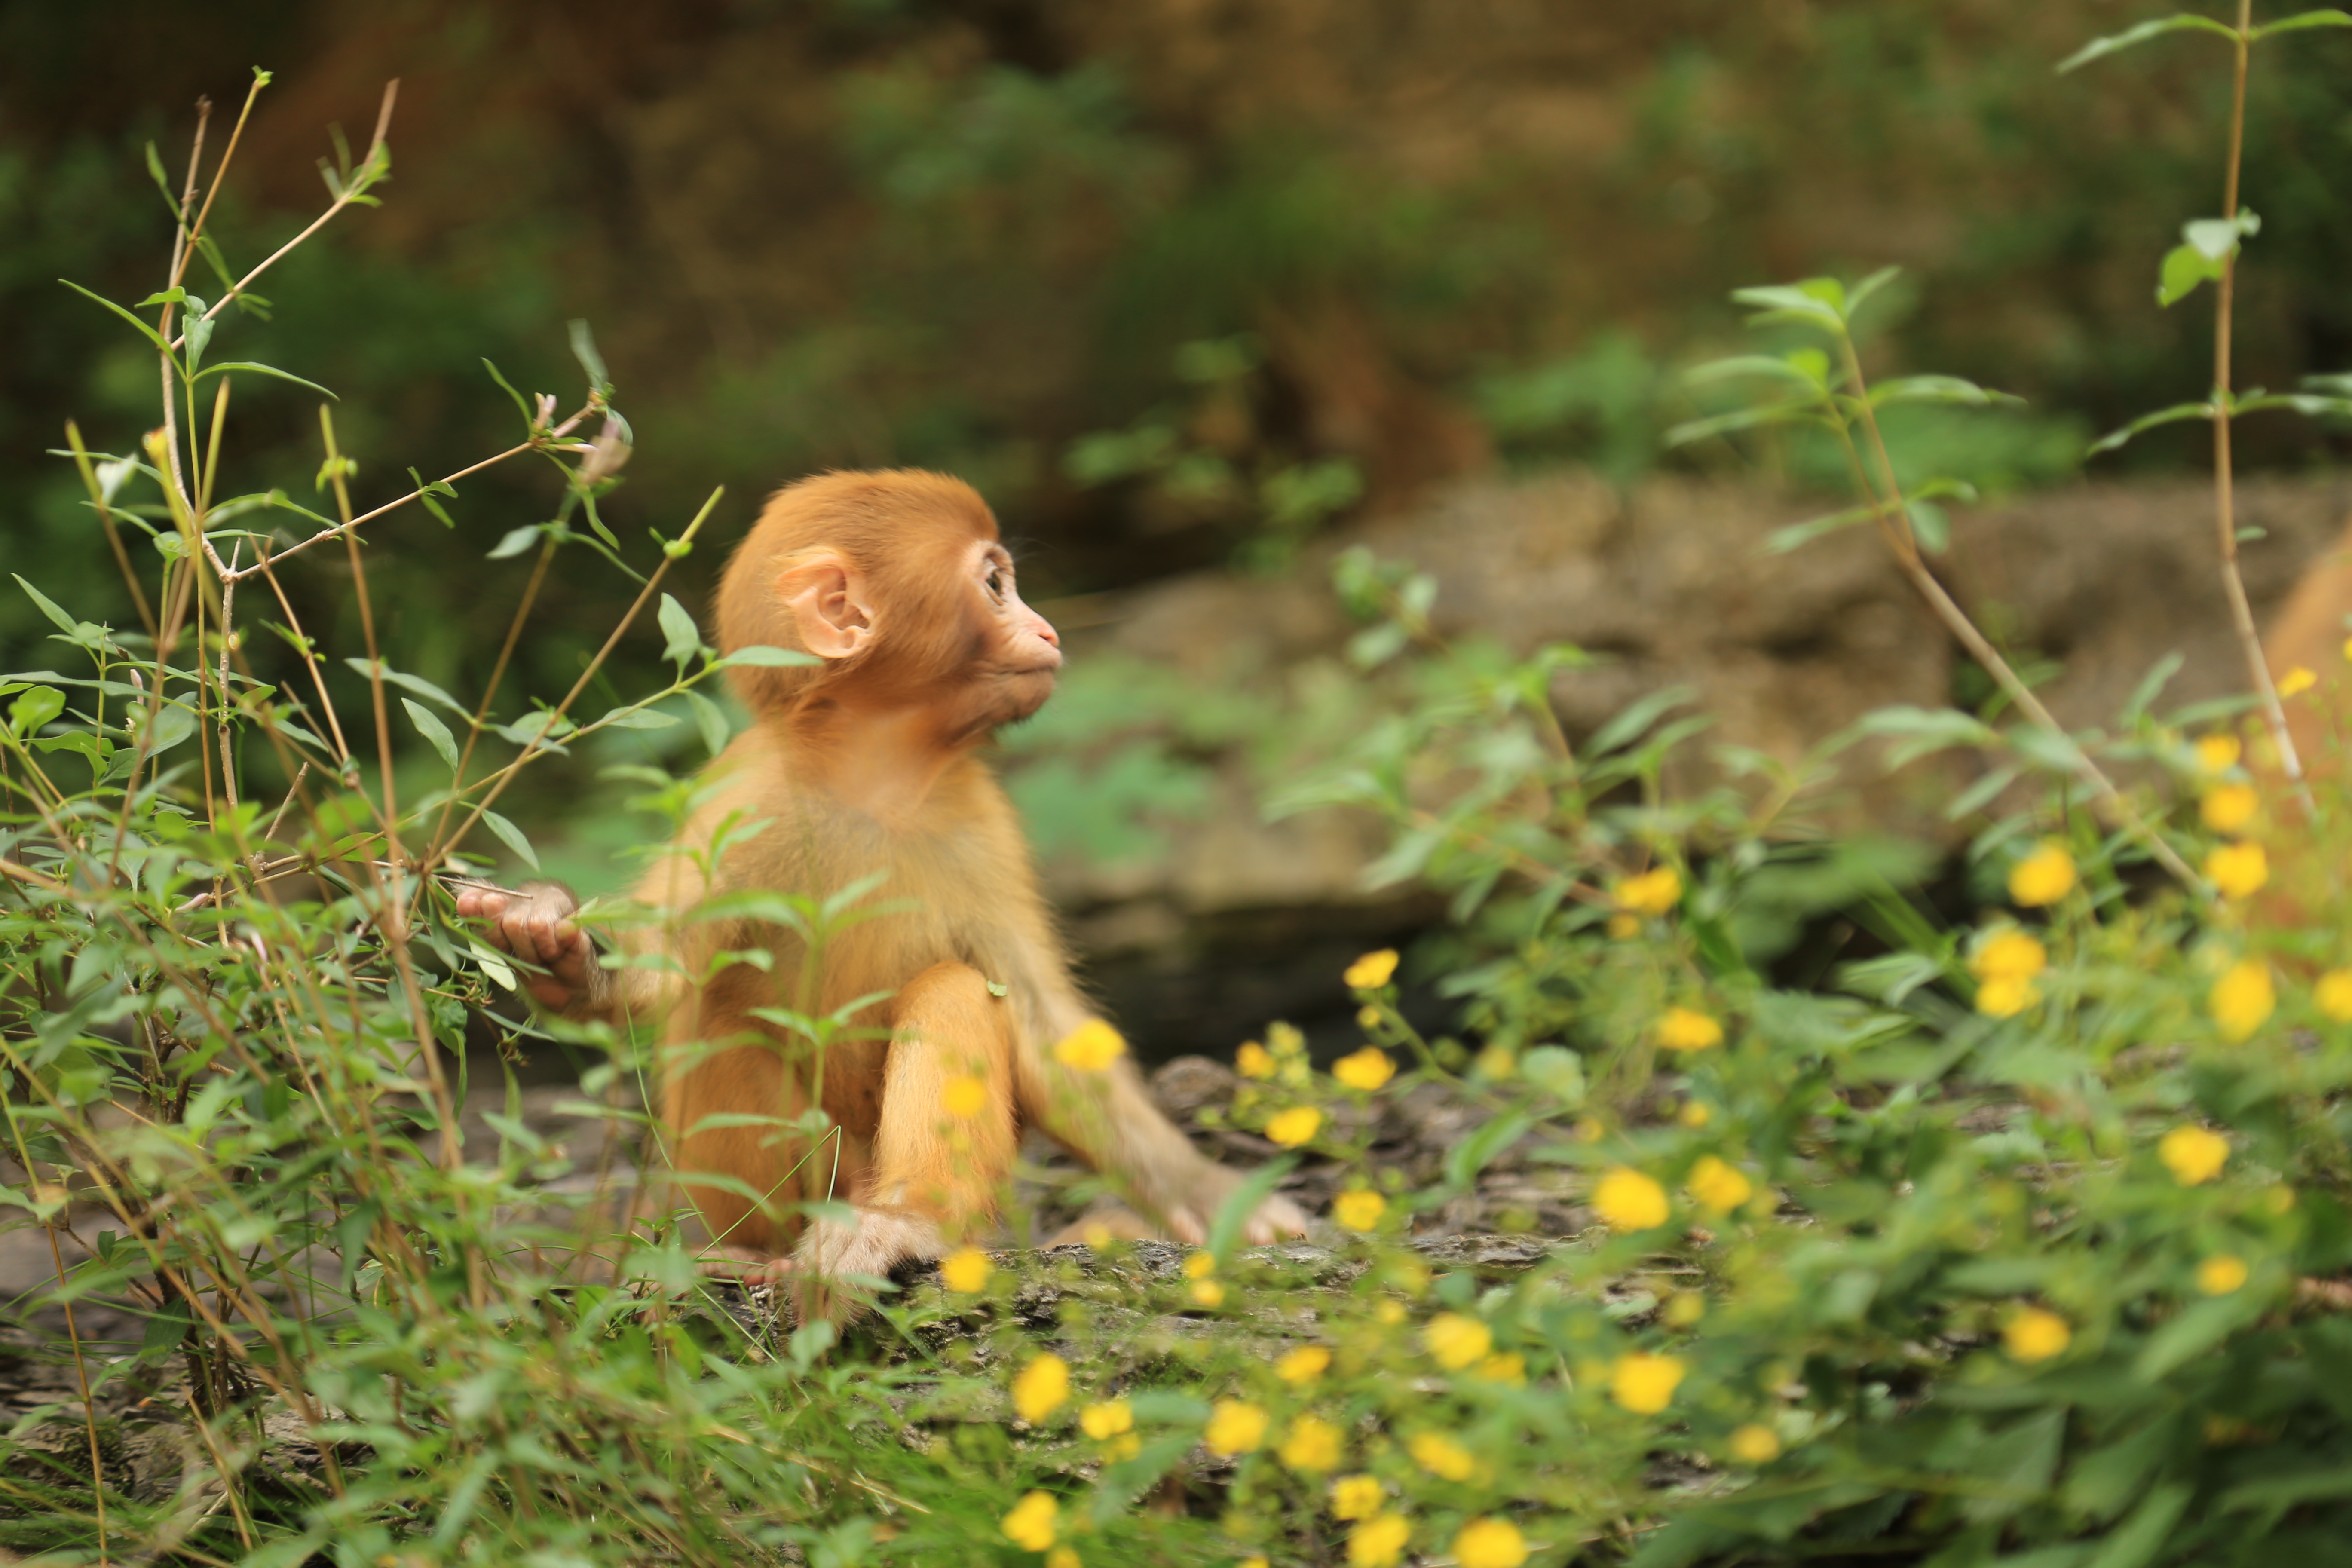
{"x":944,"y":1141}
{"x":744,"y":1215}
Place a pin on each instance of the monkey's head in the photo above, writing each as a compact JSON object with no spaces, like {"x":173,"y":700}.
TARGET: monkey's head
{"x":897,"y":582}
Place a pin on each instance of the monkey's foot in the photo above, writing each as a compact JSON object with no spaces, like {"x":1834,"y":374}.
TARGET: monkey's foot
{"x":1276,"y":1219}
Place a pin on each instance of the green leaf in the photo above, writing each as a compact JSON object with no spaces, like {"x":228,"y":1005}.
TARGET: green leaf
{"x":684,"y":638}
{"x":2147,"y":1532}
{"x":1936,"y":389}
{"x":149,"y":333}
{"x":1471,"y":1154}
{"x":2182,"y":269}
{"x":2099,"y":48}
{"x":2174,"y":414}
{"x":522,"y":405}
{"x":35,"y":708}
{"x":1779,"y":367}
{"x":2196,"y":1330}
{"x":711,"y":718}
{"x":512,"y":837}
{"x":197,"y":333}
{"x":1781,"y":541}
{"x":175,"y":295}
{"x":418,"y":684}
{"x":516,"y":542}
{"x":1869,"y":286}
{"x":48,"y":608}
{"x":163,"y":184}
{"x":637,"y":719}
{"x":1930,"y":525}
{"x":1816,"y":301}
{"x":425,"y":492}
{"x":1743,"y":419}
{"x":583,"y":349}
{"x":2307,"y":19}
{"x":1242,"y":1202}
{"x":433,"y":730}
{"x":227,"y":366}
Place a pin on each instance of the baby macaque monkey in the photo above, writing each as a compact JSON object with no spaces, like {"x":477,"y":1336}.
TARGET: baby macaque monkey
{"x":859,"y":762}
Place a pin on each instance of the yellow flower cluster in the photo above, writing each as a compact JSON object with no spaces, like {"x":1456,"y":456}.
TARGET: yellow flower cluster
{"x":1490,"y":1543}
{"x":2218,"y":753}
{"x":2242,"y":999}
{"x":1356,"y":1497}
{"x":2005,"y":965}
{"x":965,"y":1270}
{"x":1360,"y":1209}
{"x":1372,"y":971}
{"x":1377,"y":1542}
{"x":1654,"y":893}
{"x":2220,"y":1274}
{"x":1042,"y":1387}
{"x":1366,"y":1069}
{"x":1441,"y":1456}
{"x":1092,"y":1046}
{"x":1235,"y":1427}
{"x":1681,"y":1029}
{"x":1313,"y":1446}
{"x":1645,"y":1384}
{"x":1755,"y":1444}
{"x":2238,"y":869}
{"x":1717,"y":1186}
{"x":2193,"y":1154}
{"x":2228,"y":807}
{"x":2333,"y":996}
{"x":2044,"y":876}
{"x":1625,"y":1199}
{"x":1108,"y":1420}
{"x":1294,"y":1126}
{"x":1304,"y":1364}
{"x":1253,"y":1060}
{"x":964,"y":1095}
{"x":1030,"y":1525}
{"x":1456,"y":1341}
{"x":2297,"y":681}
{"x":2035,"y":1334}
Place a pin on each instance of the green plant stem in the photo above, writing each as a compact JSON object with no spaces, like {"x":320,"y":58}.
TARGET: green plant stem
{"x":2225,"y":515}
{"x":1893,"y":517}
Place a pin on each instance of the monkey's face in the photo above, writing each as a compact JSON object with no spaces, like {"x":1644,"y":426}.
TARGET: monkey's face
{"x":1015,"y":651}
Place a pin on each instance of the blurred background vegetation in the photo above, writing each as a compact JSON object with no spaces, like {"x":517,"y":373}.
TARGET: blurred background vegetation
{"x":1176,"y":282}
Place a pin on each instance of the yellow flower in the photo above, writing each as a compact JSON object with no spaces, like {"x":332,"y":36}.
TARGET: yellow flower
{"x":2278,"y":1199}
{"x":1030,"y":1525}
{"x":1201,"y":1265}
{"x":1042,"y":1387}
{"x":2005,"y":996}
{"x":965,"y":1096}
{"x":1313,"y":1446}
{"x":2238,"y":869}
{"x":1684,"y":1030}
{"x":1717,"y":1185}
{"x":1497,"y":1063}
{"x":2242,"y":998}
{"x":1682,"y":1308}
{"x":1627,"y":1200}
{"x":2034,"y":1334}
{"x":1304,"y":1364}
{"x":1441,"y":1456}
{"x":1366,"y":1069}
{"x":1694,"y":1114}
{"x":1392,"y":1313}
{"x":1490,"y":1543}
{"x":1367,"y":1017}
{"x":1377,"y":1542}
{"x":1372,"y":971}
{"x":2218,"y":753}
{"x":1252,"y":1563}
{"x":1126,"y":1445}
{"x":1359,"y":1210}
{"x":2347,"y":648}
{"x":1294,"y":1126}
{"x":1206,"y":1293}
{"x":1063,"y":1557}
{"x":2228,"y":807}
{"x":1754,"y":1445}
{"x":2009,"y":954}
{"x":965,"y":1270}
{"x":1092,"y":1046}
{"x":2193,"y":1154}
{"x":1652,"y":893}
{"x":1457,"y":1341}
{"x":1507,"y":1368}
{"x":1644,"y":1384}
{"x":1622,"y":925}
{"x":2043,"y":876}
{"x":2297,"y":681}
{"x":2333,"y":996}
{"x":1108,"y":1420}
{"x":2220,"y":1274}
{"x":1235,"y":1427}
{"x":1356,"y":1497}
{"x":1253,"y":1060}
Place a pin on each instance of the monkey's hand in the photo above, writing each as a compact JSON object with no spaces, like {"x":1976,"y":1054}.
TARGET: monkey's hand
{"x":873,"y":1244}
{"x":536,"y":926}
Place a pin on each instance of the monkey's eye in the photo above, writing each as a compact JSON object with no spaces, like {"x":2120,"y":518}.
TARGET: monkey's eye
{"x":994,"y":583}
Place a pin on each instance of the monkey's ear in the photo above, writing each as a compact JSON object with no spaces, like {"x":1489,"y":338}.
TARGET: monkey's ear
{"x":829,"y":605}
